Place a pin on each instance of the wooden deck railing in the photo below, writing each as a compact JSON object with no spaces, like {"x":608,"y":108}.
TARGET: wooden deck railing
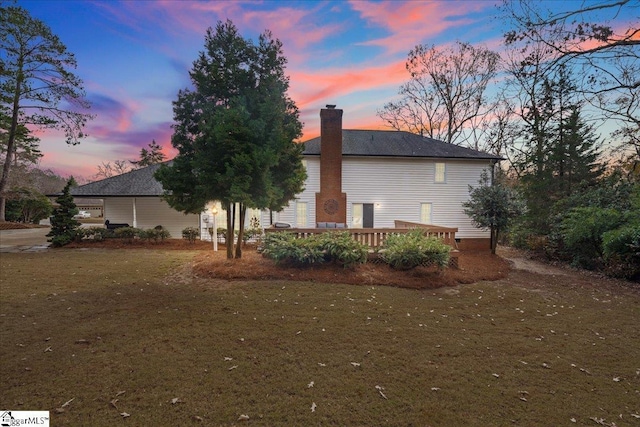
{"x":447,"y":234}
{"x":375,"y":237}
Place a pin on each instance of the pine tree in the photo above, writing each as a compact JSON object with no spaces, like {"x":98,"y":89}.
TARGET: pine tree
{"x":575,"y":156}
{"x":63,"y":226}
{"x":38,"y":89}
{"x":151,"y":156}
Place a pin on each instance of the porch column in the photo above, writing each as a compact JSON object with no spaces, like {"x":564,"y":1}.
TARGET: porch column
{"x":135,"y":218}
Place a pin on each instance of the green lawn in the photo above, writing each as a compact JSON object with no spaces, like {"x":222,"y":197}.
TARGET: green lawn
{"x":116,"y":332}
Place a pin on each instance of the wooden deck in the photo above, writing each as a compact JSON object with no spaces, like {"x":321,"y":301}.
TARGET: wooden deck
{"x":375,"y":237}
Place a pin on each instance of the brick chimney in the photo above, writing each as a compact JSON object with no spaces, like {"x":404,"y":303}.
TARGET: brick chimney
{"x":331,"y":202}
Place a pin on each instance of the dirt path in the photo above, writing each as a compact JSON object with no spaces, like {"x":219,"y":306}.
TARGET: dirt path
{"x":519,"y":261}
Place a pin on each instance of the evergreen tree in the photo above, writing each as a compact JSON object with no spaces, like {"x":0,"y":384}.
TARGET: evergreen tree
{"x":63,"y":226}
{"x":563,"y":150}
{"x":37,"y":89}
{"x":533,"y":163}
{"x":235,"y":131}
{"x":151,"y":156}
{"x":575,"y":156}
{"x":492,"y":207}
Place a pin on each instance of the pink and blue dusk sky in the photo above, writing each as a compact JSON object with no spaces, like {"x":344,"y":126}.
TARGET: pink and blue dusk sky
{"x":134,"y":56}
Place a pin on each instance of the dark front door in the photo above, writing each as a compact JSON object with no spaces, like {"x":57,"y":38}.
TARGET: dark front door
{"x":367,"y":215}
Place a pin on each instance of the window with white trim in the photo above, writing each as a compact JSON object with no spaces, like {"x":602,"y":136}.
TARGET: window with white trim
{"x":425,"y":213}
{"x":440,"y":173}
{"x":301,"y":214}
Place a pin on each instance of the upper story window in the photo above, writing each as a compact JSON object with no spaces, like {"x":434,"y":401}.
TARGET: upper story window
{"x":441,"y":173}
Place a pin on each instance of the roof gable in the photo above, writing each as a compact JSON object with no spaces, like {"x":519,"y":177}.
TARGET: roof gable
{"x":387,"y":143}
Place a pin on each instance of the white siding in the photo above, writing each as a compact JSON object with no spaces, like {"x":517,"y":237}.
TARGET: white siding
{"x":150,"y":212}
{"x":308,"y":195}
{"x":397,"y":186}
{"x":206,"y":219}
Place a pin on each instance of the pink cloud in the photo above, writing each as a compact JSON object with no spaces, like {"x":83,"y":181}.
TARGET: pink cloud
{"x":411,"y":22}
{"x":308,"y":88}
{"x":187,"y":21}
{"x":111,"y":114}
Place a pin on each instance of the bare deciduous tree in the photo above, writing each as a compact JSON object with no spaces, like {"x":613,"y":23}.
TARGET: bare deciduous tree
{"x":109,"y":169}
{"x":445,"y":93}
{"x":601,"y":43}
{"x":585,"y":36}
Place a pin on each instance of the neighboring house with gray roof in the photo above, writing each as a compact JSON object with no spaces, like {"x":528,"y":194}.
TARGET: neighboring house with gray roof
{"x":376,"y":177}
{"x":134,"y":198}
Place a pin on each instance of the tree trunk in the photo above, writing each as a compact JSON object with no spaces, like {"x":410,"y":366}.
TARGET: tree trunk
{"x":243,"y":210}
{"x":494,"y":240}
{"x":229,"y":237}
{"x":4,"y":180}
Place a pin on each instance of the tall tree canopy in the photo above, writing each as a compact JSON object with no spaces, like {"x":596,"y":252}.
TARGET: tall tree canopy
{"x":601,"y":42}
{"x":235,"y":131}
{"x":552,"y":149}
{"x":445,"y":94}
{"x":37,"y":86}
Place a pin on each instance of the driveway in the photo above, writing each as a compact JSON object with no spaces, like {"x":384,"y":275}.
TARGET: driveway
{"x":24,"y":240}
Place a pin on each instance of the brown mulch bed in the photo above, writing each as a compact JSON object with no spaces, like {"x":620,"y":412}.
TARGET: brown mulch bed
{"x":472,"y":267}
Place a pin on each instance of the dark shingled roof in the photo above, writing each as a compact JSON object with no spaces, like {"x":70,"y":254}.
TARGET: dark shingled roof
{"x":380,"y":143}
{"x":137,"y":183}
{"x":388,"y":143}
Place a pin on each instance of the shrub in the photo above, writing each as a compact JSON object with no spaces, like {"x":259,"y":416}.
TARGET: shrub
{"x":95,"y":233}
{"x":26,"y":205}
{"x":409,"y":250}
{"x":251,"y":233}
{"x":519,"y":235}
{"x":340,"y":247}
{"x":128,"y":233}
{"x":162,"y":233}
{"x":221,"y":232}
{"x":156,"y":234}
{"x":61,"y":240}
{"x":191,"y":234}
{"x":283,"y":246}
{"x":254,"y":231}
{"x":621,"y":251}
{"x":582,"y":231}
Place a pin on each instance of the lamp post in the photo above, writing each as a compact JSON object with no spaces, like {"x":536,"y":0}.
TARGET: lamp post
{"x":214,"y":213}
